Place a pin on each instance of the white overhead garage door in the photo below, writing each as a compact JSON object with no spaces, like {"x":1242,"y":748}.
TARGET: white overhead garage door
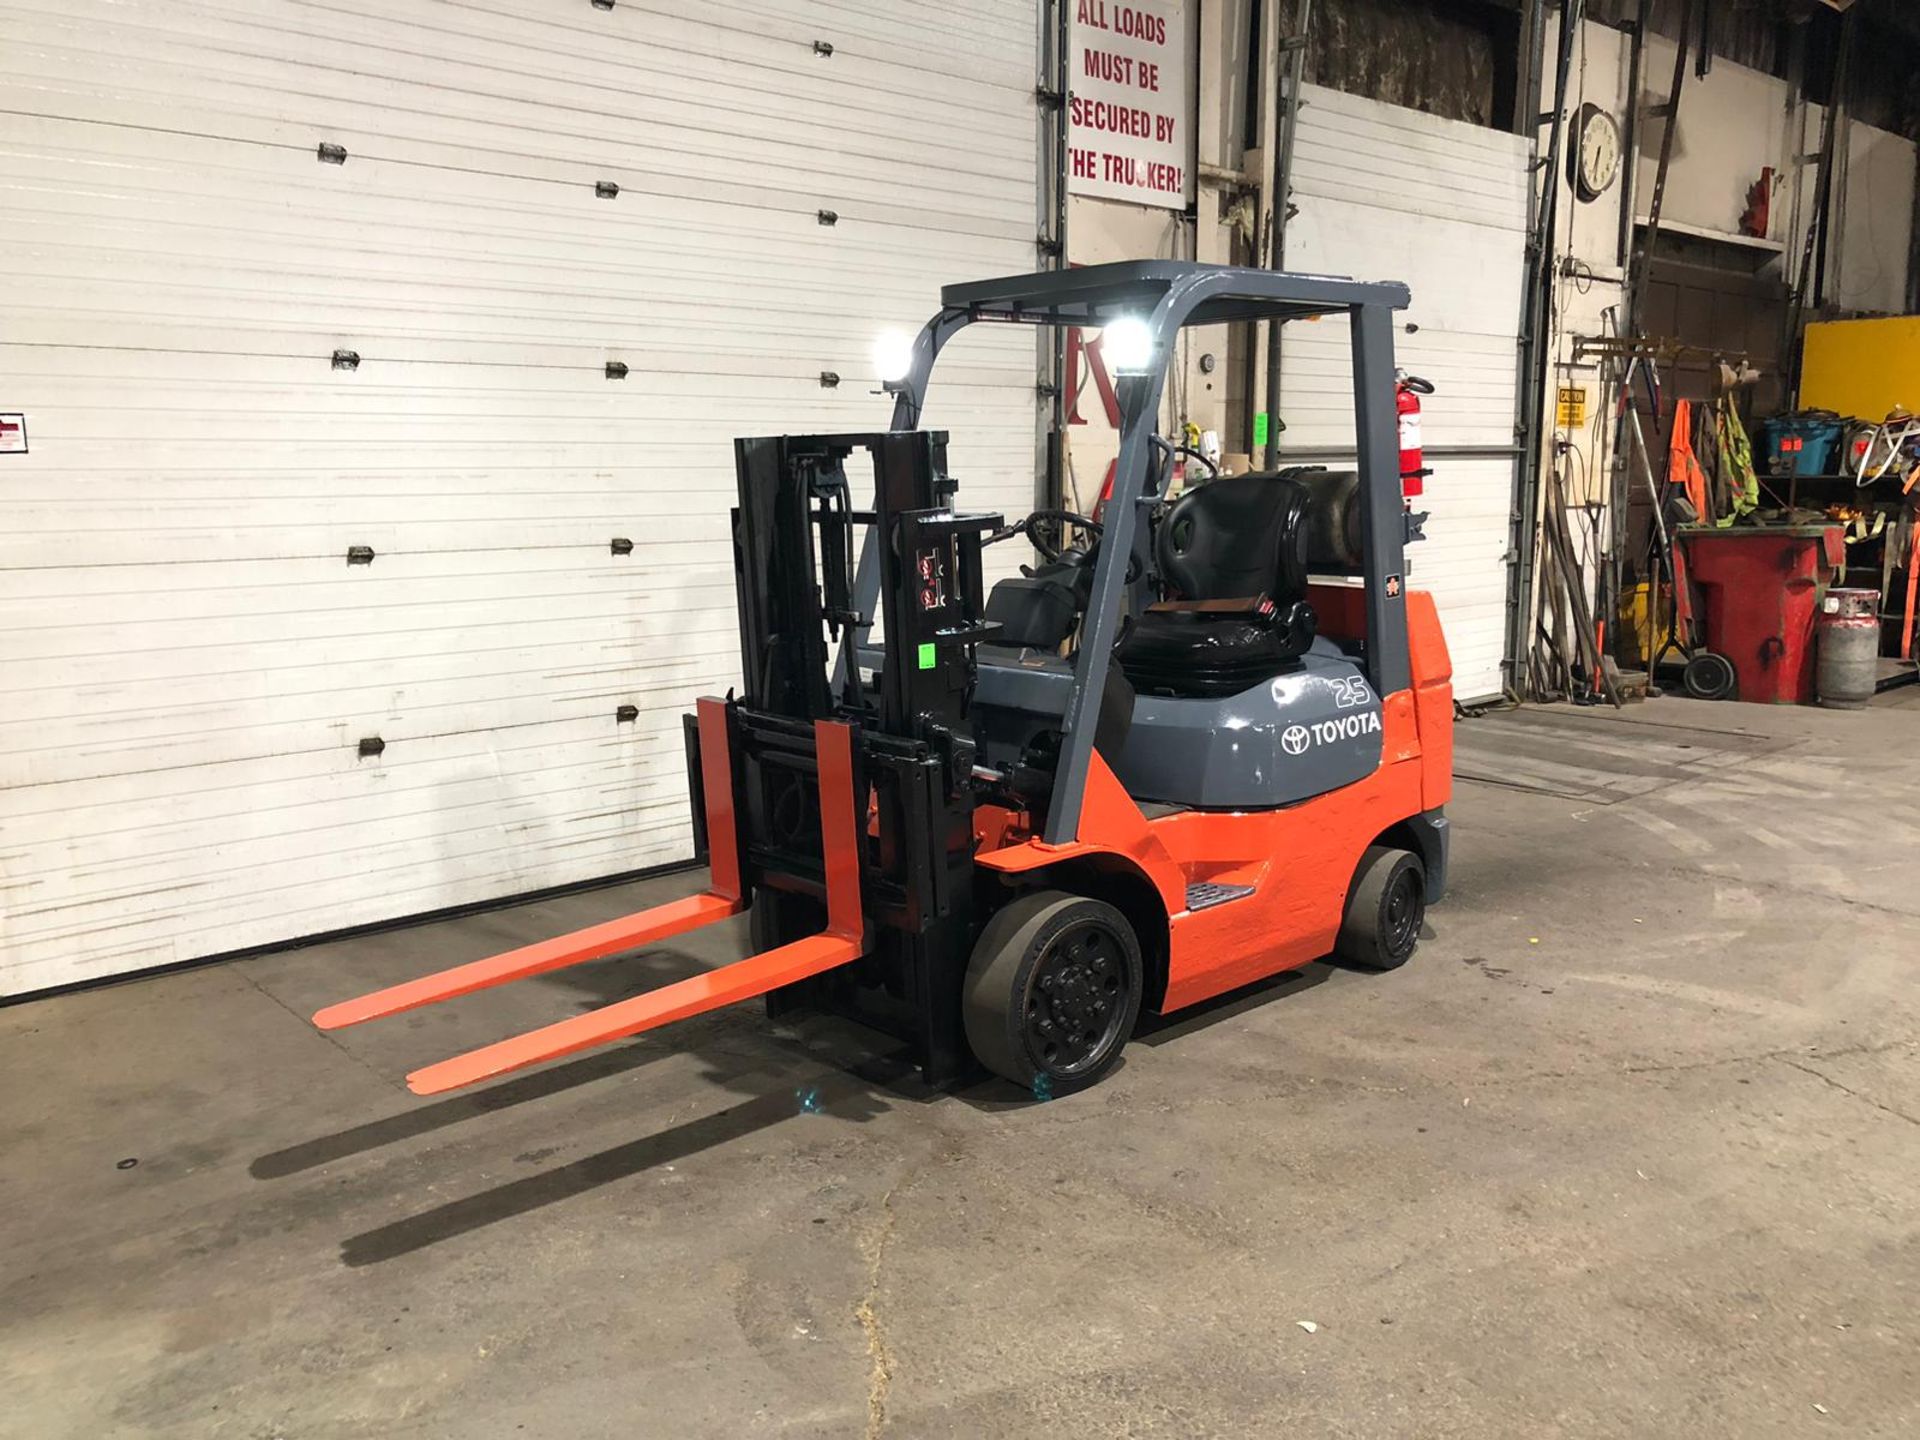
{"x":219,"y":731}
{"x":1386,"y":193}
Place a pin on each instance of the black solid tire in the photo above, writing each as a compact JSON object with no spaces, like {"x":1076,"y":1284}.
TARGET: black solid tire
{"x":1709,"y":676}
{"x":1385,"y":906}
{"x":1000,"y":994}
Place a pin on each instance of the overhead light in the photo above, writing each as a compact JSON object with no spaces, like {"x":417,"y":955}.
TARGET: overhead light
{"x":892,"y":355}
{"x":1126,"y":342}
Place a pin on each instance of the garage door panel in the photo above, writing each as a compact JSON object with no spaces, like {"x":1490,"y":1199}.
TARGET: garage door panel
{"x":1383,"y":156}
{"x":87,"y":381}
{"x":100,"y":942}
{"x":1464,"y":277}
{"x":123,"y":867}
{"x":304,"y":700}
{"x":316,"y":781}
{"x":793,"y":171}
{"x":187,"y":662}
{"x":213,"y":188}
{"x":347,"y":309}
{"x":143,"y":738}
{"x":356,"y":294}
{"x":376,"y":60}
{"x":383,"y":56}
{"x":152,"y":156}
{"x":1389,"y":193}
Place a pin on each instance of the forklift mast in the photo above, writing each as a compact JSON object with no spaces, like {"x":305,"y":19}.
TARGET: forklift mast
{"x":913,"y":750}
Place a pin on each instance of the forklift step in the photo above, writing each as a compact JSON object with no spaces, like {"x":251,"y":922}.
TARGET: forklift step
{"x":1204,"y":894}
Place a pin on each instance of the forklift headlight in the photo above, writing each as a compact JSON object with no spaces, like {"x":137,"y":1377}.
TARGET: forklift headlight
{"x":1126,"y":342}
{"x":892,"y":355}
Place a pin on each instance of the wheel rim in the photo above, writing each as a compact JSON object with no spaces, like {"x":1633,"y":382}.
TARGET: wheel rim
{"x":1402,"y":913}
{"x":1076,"y":999}
{"x":1708,"y":676}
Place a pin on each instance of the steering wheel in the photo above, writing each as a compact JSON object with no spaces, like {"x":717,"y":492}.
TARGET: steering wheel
{"x":1038,"y":534}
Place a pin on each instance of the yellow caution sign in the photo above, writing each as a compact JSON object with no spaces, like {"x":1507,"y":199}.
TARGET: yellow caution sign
{"x":1573,"y":407}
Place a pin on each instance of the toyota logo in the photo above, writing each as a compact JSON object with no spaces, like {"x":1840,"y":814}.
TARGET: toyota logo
{"x":1294,"y":739}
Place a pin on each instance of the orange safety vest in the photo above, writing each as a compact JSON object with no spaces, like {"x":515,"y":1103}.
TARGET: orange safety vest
{"x":1683,"y":469}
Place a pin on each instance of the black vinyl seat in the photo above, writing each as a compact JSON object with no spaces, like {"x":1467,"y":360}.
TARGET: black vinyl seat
{"x":1233,"y":555}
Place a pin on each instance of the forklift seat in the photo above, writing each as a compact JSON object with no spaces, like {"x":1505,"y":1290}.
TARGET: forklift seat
{"x":1237,"y":537}
{"x":1234,"y":553}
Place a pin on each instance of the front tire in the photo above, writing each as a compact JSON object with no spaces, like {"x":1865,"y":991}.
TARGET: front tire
{"x":1052,"y":991}
{"x":1386,"y":906}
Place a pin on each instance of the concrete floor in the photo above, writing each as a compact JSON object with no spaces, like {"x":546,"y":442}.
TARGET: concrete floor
{"x":1631,"y":1148}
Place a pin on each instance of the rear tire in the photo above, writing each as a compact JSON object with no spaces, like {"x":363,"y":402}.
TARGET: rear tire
{"x":1386,"y":905}
{"x":1052,"y":991}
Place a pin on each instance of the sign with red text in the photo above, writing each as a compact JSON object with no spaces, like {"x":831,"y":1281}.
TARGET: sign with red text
{"x":1129,"y":133}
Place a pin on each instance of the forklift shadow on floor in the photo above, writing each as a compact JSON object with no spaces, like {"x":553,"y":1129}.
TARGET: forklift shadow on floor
{"x":821,"y":1065}
{"x":824,"y":1066}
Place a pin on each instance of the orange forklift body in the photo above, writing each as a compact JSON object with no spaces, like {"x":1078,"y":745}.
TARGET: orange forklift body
{"x":1298,"y":859}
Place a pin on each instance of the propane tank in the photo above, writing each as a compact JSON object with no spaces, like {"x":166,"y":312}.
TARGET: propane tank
{"x":1407,"y":390}
{"x":1849,"y":637}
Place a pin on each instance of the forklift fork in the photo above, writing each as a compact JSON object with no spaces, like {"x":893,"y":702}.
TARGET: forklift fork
{"x":842,"y":942}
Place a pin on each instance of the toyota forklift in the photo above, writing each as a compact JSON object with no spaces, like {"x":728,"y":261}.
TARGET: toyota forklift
{"x":1206,"y":740}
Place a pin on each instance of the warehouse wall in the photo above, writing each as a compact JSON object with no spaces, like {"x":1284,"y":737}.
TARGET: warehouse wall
{"x":1870,"y":271}
{"x":1709,"y":285}
{"x":219,"y":729}
{"x":1733,"y":123}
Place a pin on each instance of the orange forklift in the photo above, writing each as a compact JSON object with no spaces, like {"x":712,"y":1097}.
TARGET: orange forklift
{"x":1204,"y":740}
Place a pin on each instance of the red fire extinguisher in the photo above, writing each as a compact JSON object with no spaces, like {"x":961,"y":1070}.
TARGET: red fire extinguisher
{"x":1407,"y":390}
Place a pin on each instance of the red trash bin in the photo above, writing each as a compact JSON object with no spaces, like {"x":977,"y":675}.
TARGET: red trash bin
{"x":1760,"y":587}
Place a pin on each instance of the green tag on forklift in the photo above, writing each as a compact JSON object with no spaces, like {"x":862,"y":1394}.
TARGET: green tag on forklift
{"x":927,"y":660}
{"x":1260,"y":430}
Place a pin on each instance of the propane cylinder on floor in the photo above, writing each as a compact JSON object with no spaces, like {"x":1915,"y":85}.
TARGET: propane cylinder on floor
{"x":1849,"y":639}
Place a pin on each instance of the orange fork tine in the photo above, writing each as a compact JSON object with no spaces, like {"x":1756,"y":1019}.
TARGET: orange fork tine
{"x":742,"y":980}
{"x":629,"y":932}
{"x":842,"y":942}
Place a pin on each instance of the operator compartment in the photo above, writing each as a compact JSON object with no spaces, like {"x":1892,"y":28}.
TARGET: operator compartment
{"x":1223,"y":694}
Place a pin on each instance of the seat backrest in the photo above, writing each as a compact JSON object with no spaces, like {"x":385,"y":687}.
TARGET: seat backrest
{"x":1235,"y":538}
